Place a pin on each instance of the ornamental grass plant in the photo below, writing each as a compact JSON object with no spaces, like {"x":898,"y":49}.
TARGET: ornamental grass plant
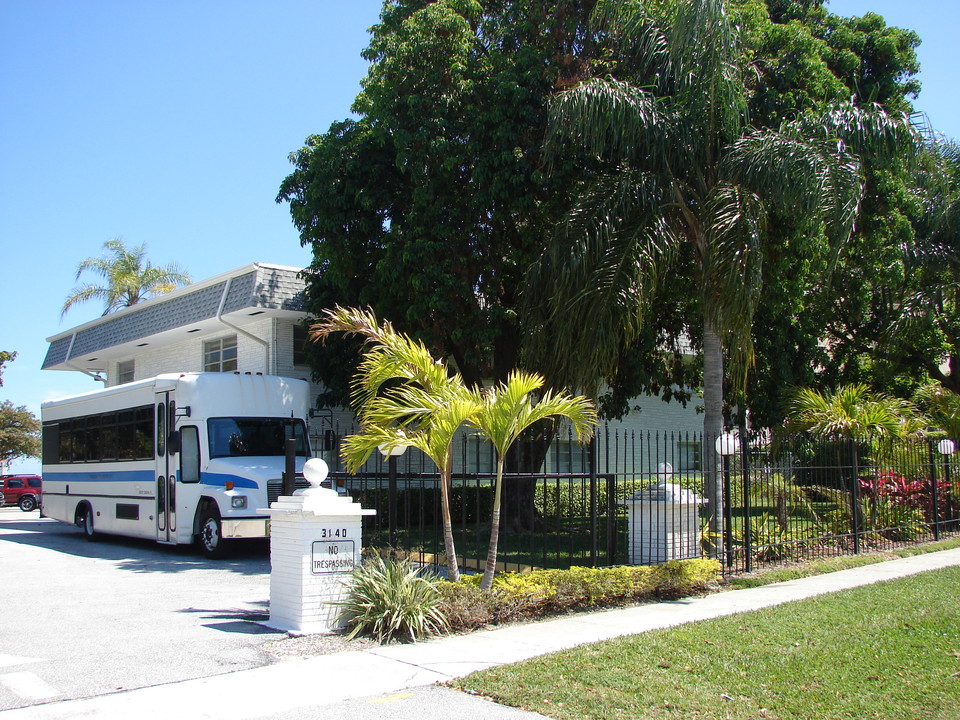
{"x":392,"y":599}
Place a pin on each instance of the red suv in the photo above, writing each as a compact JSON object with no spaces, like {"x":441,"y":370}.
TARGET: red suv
{"x":22,"y":490}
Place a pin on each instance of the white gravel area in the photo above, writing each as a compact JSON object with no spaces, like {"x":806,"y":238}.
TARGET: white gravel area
{"x":297,"y":646}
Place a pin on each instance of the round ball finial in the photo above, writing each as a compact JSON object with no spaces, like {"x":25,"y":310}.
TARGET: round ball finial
{"x":726,"y":444}
{"x":315,"y":471}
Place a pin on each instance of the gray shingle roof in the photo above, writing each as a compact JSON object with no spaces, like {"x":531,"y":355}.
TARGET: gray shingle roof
{"x":266,"y":286}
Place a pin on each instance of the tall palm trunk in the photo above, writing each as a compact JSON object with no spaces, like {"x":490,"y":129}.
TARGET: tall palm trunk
{"x":712,"y":428}
{"x":491,"y":567}
{"x":453,"y":567}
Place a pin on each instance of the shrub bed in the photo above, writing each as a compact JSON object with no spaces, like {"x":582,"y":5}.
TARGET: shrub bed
{"x":519,"y":596}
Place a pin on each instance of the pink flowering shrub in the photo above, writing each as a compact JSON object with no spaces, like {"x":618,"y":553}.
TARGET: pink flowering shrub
{"x":904,"y":492}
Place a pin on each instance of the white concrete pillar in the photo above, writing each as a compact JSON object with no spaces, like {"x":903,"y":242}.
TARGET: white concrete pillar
{"x":315,"y":542}
{"x":663,"y":524}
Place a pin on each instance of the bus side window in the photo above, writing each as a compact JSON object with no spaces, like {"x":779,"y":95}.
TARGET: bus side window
{"x":189,"y":454}
{"x":161,"y":429}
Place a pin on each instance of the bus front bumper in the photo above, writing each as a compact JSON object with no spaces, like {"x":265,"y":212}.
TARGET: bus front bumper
{"x":245,"y":528}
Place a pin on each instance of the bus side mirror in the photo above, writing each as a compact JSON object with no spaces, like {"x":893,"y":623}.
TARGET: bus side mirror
{"x":173,"y":442}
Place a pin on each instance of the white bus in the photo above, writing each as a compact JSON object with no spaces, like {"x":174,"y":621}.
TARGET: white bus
{"x":175,"y":458}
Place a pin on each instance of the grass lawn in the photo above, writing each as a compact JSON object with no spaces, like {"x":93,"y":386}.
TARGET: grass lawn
{"x":888,"y":651}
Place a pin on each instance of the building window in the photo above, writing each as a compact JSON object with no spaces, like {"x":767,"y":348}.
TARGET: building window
{"x":220,"y":355}
{"x":566,"y":456}
{"x":689,"y":454}
{"x":124,"y":372}
{"x":300,"y":345}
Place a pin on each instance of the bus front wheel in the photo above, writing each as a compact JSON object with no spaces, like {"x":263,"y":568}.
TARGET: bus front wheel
{"x":210,"y":536}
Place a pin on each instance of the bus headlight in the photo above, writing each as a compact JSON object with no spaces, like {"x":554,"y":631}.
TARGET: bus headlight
{"x":238,"y":502}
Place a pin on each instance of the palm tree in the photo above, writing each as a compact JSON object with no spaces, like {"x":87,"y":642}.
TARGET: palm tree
{"x":683,"y":179}
{"x":403,"y":397}
{"x":941,"y":407}
{"x":856,"y":414}
{"x":507,"y":410}
{"x":409,"y":416}
{"x":852,"y":412}
{"x":930,"y":306}
{"x":130,"y":278}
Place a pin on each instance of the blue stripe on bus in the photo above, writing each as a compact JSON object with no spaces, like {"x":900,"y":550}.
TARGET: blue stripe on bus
{"x":144,"y":476}
{"x":220,"y":480}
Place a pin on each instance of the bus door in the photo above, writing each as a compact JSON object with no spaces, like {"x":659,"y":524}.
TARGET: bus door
{"x":166,"y":472}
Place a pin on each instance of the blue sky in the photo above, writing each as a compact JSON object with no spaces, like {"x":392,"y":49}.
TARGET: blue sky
{"x":169,"y":123}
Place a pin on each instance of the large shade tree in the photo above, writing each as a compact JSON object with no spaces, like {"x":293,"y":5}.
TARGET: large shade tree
{"x":429,"y":204}
{"x":19,"y":428}
{"x":128,"y":278}
{"x":685,"y":191}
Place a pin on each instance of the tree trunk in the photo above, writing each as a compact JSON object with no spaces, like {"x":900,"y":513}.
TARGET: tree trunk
{"x":453,"y":567}
{"x":712,"y":428}
{"x":491,"y":567}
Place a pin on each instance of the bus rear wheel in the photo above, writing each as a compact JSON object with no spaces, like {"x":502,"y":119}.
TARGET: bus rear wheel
{"x":210,"y":536}
{"x":85,"y":521}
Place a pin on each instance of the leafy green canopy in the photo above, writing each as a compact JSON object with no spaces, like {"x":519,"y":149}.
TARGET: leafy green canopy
{"x":19,"y":432}
{"x":432,"y":202}
{"x":5,"y":357}
{"x":924,"y":325}
{"x":818,"y":320}
{"x":430,"y":205}
{"x":19,"y":428}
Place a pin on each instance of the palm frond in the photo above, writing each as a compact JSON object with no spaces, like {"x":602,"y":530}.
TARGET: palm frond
{"x":852,"y":411}
{"x":129,"y":278}
{"x":635,"y":32}
{"x":941,"y":406}
{"x":867,"y":130}
{"x":390,"y":355}
{"x":609,"y":118}
{"x":704,"y":48}
{"x":598,"y":273}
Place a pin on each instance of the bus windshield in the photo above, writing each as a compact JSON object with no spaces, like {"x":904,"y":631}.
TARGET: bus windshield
{"x":245,"y":437}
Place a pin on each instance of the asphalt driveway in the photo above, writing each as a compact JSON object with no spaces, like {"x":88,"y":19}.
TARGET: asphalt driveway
{"x":83,"y":618}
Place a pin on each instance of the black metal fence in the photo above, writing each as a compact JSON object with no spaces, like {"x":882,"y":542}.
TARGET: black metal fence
{"x":642,"y":499}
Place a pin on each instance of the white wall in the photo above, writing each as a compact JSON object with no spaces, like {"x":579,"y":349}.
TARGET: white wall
{"x":187,"y":356}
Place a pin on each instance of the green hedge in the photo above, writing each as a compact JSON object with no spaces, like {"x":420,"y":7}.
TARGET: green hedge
{"x":474,"y":504}
{"x":572,"y":498}
{"x":541,"y":593}
{"x":470,"y":504}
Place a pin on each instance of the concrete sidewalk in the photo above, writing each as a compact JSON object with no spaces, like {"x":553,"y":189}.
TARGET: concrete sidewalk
{"x":302,"y":688}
